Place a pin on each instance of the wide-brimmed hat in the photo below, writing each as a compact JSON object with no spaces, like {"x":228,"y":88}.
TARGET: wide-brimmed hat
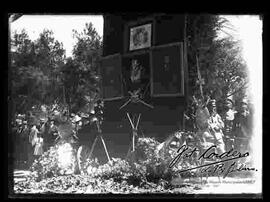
{"x":228,"y":100}
{"x":42,"y":119}
{"x":244,"y":101}
{"x":212,"y":103}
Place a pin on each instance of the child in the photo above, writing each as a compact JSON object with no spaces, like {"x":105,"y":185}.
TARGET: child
{"x":38,"y":151}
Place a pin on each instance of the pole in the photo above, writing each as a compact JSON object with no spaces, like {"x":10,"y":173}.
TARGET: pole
{"x":130,"y":120}
{"x":138,"y":120}
{"x":92,"y":148}
{"x":102,"y":140}
{"x":185,"y":57}
{"x":104,"y":145}
{"x":199,"y":75}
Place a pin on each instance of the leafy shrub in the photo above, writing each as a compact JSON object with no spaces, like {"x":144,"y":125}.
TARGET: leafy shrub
{"x":119,"y":170}
{"x":49,"y":164}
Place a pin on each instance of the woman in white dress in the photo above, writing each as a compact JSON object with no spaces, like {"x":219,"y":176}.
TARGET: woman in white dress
{"x":38,"y":151}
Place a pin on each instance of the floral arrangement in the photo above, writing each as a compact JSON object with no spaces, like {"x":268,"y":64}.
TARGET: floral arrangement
{"x":58,"y":160}
{"x":149,"y":170}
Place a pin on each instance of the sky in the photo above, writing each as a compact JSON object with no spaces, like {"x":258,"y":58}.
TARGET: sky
{"x":61,"y":25}
{"x":248,"y":29}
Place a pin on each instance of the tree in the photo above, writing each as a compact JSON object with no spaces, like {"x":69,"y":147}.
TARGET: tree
{"x":218,"y":60}
{"x":35,"y":68}
{"x":81,"y":73}
{"x":227,"y":73}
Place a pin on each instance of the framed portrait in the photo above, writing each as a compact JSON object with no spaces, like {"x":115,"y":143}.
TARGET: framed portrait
{"x":167,"y":70}
{"x":112,"y":88}
{"x":140,"y":37}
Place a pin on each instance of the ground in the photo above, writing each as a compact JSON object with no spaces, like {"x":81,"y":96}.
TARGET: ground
{"x":84,"y":185}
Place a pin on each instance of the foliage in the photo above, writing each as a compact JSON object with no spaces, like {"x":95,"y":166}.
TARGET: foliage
{"x":81,"y":73}
{"x":35,"y":69}
{"x":219,"y":59}
{"x":50,"y":163}
{"x":148,"y":175}
{"x":41,"y":75}
{"x":83,"y":184}
{"x":88,"y":46}
{"x":118,"y":170}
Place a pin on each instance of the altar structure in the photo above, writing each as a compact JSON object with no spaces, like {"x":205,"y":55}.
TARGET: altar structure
{"x":144,"y":77}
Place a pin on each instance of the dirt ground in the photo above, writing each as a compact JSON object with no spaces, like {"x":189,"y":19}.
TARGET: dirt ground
{"x":211,"y":185}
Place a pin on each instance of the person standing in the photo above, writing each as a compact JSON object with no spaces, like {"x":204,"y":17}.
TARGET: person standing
{"x":32,"y":137}
{"x":17,"y":142}
{"x":38,"y":150}
{"x":24,"y":138}
{"x":228,"y":118}
{"x":216,"y":125}
{"x":202,"y":116}
{"x":44,"y":132}
{"x":242,"y":127}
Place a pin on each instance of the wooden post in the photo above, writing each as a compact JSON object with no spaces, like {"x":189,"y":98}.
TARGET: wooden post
{"x":186,"y":58}
{"x":138,"y":120}
{"x":184,"y":122}
{"x":92,"y":148}
{"x":103,"y":143}
{"x":200,"y":80}
{"x":134,"y":129}
{"x":130,"y":120}
{"x":105,"y":148}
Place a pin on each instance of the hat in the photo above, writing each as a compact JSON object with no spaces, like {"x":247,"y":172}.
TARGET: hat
{"x":212,"y":103}
{"x":42,"y":119}
{"x":244,"y":101}
{"x":229,"y":100}
{"x":19,"y":121}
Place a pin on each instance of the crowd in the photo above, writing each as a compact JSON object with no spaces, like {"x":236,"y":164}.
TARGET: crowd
{"x":227,"y":128}
{"x":31,"y":140}
{"x":35,"y":134}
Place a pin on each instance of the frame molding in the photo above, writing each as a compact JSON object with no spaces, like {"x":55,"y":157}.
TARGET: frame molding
{"x":182,"y":76}
{"x":120,"y":77}
{"x":139,"y":22}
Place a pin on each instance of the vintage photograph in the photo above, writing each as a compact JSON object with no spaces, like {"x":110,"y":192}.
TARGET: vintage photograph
{"x":140,"y":37}
{"x":153,"y":108}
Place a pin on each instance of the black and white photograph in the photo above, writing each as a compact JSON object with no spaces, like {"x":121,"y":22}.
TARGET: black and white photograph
{"x":135,"y":104}
{"x":140,"y":37}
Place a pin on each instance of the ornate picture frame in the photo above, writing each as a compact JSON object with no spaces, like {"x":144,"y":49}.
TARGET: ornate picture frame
{"x":112,"y":87}
{"x":140,"y":37}
{"x":167,"y":70}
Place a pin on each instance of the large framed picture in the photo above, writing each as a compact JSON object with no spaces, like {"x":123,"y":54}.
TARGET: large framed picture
{"x":112,"y":88}
{"x":167,"y":70}
{"x":140,"y":37}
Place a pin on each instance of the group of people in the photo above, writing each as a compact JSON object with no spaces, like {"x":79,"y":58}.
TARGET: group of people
{"x":226,"y":128}
{"x":31,"y":140}
{"x":237,"y":125}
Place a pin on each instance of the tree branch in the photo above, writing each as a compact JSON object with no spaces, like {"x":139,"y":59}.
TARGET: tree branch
{"x":243,"y":86}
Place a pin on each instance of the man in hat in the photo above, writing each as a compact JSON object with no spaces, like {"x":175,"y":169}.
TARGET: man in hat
{"x":216,"y":125}
{"x":24,"y":137}
{"x":242,"y":127}
{"x":228,"y":118}
{"x":202,"y":116}
{"x":44,"y":131}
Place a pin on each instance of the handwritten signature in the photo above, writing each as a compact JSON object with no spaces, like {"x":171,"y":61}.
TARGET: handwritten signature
{"x":218,"y":160}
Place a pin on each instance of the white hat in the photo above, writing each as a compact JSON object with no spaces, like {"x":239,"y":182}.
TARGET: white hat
{"x":77,"y":118}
